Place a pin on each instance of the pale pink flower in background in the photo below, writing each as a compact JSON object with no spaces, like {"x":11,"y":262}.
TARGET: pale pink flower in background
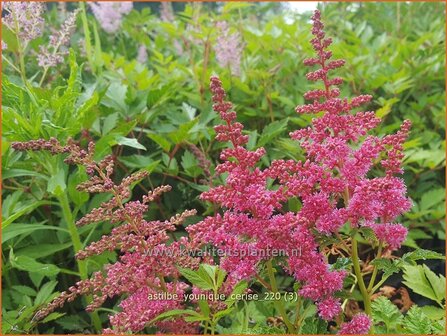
{"x":24,"y":18}
{"x":142,"y":54}
{"x":110,"y":14}
{"x":53,"y":54}
{"x":228,"y":49}
{"x":166,"y":12}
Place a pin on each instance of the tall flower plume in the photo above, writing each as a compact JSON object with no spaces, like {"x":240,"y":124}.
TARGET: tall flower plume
{"x":166,"y":11}
{"x":252,"y":221}
{"x":147,"y":262}
{"x":54,"y":53}
{"x":228,"y":48}
{"x":340,"y":153}
{"x":110,"y":13}
{"x":24,"y":18}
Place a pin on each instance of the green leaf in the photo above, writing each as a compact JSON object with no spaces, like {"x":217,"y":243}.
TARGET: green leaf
{"x":175,"y":312}
{"x":160,"y":140}
{"x":237,"y":290}
{"x":211,"y":270}
{"x":196,"y":278}
{"x":220,"y":277}
{"x":76,"y":196}
{"x":421,"y":254}
{"x":438,"y":327}
{"x":56,"y":183}
{"x":42,"y":250}
{"x":387,"y":266}
{"x":342,"y":263}
{"x":115,"y":97}
{"x":383,"y":311}
{"x":130,"y":142}
{"x":25,"y":290}
{"x":433,"y":312}
{"x":204,"y":307}
{"x":30,"y":265}
{"x":109,"y":123}
{"x":189,"y":110}
{"x":272,"y":130}
{"x":73,"y":323}
{"x":52,"y":317}
{"x":24,"y":209}
{"x":10,"y":173}
{"x":425,"y":282}
{"x":314,"y":326}
{"x":432,"y":198}
{"x":45,"y":292}
{"x":155,"y":96}
{"x":181,"y":134}
{"x":190,"y":164}
{"x":416,"y":322}
{"x":18,"y":229}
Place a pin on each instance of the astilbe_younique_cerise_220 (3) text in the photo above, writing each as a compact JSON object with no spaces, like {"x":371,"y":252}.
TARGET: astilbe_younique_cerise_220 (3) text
{"x":147,"y":263}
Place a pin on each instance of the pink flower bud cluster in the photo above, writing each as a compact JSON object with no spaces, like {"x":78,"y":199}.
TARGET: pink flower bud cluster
{"x":340,"y":154}
{"x":147,"y":262}
{"x":111,"y":13}
{"x":53,"y":54}
{"x":228,"y":49}
{"x":359,"y":325}
{"x":252,"y":221}
{"x":24,"y":18}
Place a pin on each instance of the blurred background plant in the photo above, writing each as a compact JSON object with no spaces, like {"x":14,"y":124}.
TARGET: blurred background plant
{"x":134,"y":78}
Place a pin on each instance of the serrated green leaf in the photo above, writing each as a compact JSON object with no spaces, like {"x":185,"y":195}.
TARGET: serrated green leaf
{"x":109,"y":123}
{"x":196,"y":278}
{"x":416,"y":322}
{"x":25,"y":290}
{"x":387,"y":266}
{"x":383,"y":311}
{"x":161,"y":141}
{"x":421,"y":254}
{"x":30,"y":265}
{"x":272,"y":130}
{"x":342,"y":264}
{"x":45,"y":292}
{"x":175,"y":312}
{"x":237,"y":290}
{"x":433,"y":313}
{"x":425,"y":282}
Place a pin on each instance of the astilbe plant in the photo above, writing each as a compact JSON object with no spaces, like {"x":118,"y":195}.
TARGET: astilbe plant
{"x":252,"y":222}
{"x":146,"y":258}
{"x":334,"y":182}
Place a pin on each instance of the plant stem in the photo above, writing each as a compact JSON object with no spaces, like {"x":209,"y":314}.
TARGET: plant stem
{"x":21,"y":52}
{"x":374,"y":274}
{"x":297,"y":318}
{"x":205,"y":331}
{"x":11,"y":64}
{"x":278,"y":303}
{"x":358,"y":274}
{"x":77,"y":246}
{"x":87,"y":39}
